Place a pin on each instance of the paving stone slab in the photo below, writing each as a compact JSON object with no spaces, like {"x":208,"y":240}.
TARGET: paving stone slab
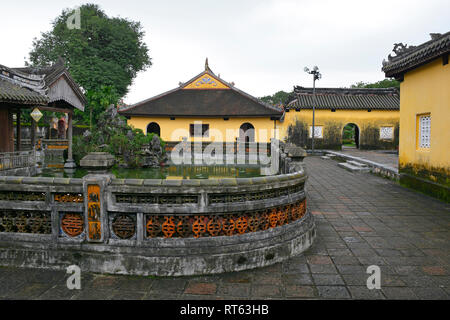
{"x":333,"y":292}
{"x":361,"y":220}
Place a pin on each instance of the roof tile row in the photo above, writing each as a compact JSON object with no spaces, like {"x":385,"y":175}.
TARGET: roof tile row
{"x":346,"y":98}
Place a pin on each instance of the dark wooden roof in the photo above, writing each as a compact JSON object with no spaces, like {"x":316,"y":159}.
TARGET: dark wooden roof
{"x":346,"y":98}
{"x":411,"y":57}
{"x":181,"y":102}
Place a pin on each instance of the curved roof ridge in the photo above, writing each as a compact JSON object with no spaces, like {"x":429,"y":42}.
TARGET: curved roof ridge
{"x":408,"y":58}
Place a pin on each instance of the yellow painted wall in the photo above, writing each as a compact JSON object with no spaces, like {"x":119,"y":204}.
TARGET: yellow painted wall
{"x":426,"y":90}
{"x":169,"y":128}
{"x":361,"y":118}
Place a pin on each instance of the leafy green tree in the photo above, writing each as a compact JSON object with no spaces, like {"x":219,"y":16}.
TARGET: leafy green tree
{"x":386,"y":83}
{"x":105,"y":51}
{"x":278,"y":98}
{"x":97,"y":102}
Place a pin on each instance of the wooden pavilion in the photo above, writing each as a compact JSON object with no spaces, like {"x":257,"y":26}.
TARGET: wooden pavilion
{"x":48,"y":89}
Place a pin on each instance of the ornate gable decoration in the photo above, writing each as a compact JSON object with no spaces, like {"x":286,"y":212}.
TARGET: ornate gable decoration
{"x":206,"y":80}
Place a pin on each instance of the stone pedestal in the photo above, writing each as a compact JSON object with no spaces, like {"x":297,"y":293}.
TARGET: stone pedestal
{"x":70,"y":165}
{"x":97,"y":162}
{"x":297,"y":154}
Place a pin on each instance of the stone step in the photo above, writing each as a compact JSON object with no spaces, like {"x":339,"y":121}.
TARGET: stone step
{"x":330,"y":155}
{"x":357,"y":164}
{"x":325,"y":157}
{"x":349,"y":167}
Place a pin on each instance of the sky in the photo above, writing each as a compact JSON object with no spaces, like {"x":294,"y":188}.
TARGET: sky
{"x":262,"y":46}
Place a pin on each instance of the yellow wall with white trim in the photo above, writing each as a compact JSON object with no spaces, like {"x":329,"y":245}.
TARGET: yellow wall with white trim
{"x":361,"y":118}
{"x":426,"y":90}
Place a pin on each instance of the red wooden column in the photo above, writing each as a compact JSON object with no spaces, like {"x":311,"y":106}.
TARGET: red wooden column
{"x":33,"y":133}
{"x":18,"y":129}
{"x":4,"y":130}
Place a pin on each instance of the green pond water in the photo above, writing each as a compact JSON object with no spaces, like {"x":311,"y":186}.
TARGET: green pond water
{"x":168,"y":172}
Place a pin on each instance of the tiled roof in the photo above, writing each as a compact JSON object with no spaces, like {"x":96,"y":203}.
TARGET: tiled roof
{"x":202,"y":102}
{"x":229,"y":102}
{"x":18,"y":88}
{"x":53,"y":73}
{"x":41,"y":86}
{"x":408,"y":58}
{"x":346,"y":98}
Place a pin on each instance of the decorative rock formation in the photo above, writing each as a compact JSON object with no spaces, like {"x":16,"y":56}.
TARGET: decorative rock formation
{"x":154,"y":154}
{"x":126,"y":144}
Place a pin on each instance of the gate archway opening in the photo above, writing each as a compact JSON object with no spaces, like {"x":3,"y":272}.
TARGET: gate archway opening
{"x":350,"y":136}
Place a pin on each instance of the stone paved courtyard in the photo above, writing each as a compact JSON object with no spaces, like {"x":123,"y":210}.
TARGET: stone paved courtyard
{"x":361,"y":220}
{"x":385,"y":157}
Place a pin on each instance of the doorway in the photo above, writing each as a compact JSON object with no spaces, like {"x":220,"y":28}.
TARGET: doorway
{"x":350,"y":136}
{"x":247,"y":133}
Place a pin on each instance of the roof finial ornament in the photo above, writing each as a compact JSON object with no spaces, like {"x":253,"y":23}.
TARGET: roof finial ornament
{"x":207,"y":66}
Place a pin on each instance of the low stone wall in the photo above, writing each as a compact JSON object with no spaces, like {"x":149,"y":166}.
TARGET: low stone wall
{"x":152,"y":226}
{"x":25,"y":171}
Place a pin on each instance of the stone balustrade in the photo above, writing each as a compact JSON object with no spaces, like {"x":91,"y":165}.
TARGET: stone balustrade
{"x":153,"y":226}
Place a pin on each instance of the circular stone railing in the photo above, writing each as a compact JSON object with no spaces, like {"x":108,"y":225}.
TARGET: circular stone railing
{"x":152,"y":226}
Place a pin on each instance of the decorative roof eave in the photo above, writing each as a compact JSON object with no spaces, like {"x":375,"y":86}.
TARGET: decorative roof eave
{"x":30,"y":81}
{"x":408,"y":58}
{"x":20,"y":101}
{"x":51,"y":75}
{"x":19,"y":88}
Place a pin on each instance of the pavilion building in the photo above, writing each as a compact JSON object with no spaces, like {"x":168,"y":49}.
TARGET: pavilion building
{"x":47,"y":89}
{"x":206,"y":108}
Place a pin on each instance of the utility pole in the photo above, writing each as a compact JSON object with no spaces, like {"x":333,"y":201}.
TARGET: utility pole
{"x":316,"y":76}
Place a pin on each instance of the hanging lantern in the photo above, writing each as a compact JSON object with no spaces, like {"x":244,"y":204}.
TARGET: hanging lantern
{"x":36,"y":114}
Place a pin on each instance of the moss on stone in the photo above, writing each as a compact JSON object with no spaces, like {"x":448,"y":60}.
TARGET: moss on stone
{"x":433,"y":174}
{"x":427,"y":187}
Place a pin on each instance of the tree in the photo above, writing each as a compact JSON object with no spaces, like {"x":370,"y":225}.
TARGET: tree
{"x":105,"y":51}
{"x":386,"y":83}
{"x":98,"y":101}
{"x":280,"y":97}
